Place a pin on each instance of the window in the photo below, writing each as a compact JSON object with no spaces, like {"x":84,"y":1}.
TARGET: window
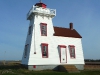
{"x":44,"y":50}
{"x":26,"y":49}
{"x":43,"y":29}
{"x":30,"y":29}
{"x":72,"y":51}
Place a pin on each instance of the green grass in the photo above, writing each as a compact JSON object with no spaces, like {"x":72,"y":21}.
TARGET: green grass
{"x":18,"y":70}
{"x":26,"y":72}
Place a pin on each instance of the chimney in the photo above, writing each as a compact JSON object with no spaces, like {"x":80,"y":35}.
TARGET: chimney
{"x":71,"y":26}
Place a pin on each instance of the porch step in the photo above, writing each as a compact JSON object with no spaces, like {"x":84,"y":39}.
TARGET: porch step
{"x":68,"y":68}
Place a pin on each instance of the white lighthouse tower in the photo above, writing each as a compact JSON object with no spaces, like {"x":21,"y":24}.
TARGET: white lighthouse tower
{"x":40,"y":26}
{"x":48,"y":46}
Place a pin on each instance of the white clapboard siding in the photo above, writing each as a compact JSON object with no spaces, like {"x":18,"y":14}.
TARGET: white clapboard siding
{"x":35,"y":39}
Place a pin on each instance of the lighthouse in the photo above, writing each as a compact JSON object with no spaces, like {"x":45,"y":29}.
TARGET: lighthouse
{"x":48,"y":46}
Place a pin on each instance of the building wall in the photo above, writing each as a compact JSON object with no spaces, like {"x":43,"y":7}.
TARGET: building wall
{"x":53,"y":57}
{"x":28,"y":41}
{"x":42,"y":67}
{"x":35,"y":40}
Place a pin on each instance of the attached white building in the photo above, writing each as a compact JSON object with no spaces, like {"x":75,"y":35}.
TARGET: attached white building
{"x":48,"y":46}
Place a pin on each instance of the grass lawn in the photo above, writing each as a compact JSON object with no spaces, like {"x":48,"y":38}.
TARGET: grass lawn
{"x":26,"y":72}
{"x":17,"y":70}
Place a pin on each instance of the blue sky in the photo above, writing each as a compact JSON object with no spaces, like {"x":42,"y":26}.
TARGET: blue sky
{"x":85,"y":15}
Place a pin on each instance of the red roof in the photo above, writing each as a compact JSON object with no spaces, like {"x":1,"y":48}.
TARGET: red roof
{"x":66,"y":32}
{"x":41,"y":5}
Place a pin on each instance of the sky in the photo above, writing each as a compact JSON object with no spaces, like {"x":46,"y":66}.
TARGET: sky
{"x":84,"y":14}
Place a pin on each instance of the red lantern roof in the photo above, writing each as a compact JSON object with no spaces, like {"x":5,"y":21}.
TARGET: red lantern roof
{"x":40,"y":4}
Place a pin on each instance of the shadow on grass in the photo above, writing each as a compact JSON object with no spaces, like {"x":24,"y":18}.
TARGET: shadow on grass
{"x":14,"y":66}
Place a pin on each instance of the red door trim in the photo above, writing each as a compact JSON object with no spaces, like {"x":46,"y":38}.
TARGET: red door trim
{"x":63,"y":46}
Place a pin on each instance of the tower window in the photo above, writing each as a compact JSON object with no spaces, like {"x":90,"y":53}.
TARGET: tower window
{"x":44,"y":48}
{"x":30,"y":30}
{"x":43,"y":29}
{"x":26,"y":49}
{"x":72,"y":51}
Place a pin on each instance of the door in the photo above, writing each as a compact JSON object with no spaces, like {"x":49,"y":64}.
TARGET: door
{"x":63,"y":57}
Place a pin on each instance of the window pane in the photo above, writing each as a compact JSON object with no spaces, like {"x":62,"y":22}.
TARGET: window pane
{"x":43,"y":27}
{"x":26,"y":48}
{"x":43,"y":30}
{"x":73,"y":55}
{"x":72,"y":52}
{"x":44,"y":51}
{"x":29,"y":30}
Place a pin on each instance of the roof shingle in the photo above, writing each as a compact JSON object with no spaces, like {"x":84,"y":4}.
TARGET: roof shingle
{"x":66,"y":32}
